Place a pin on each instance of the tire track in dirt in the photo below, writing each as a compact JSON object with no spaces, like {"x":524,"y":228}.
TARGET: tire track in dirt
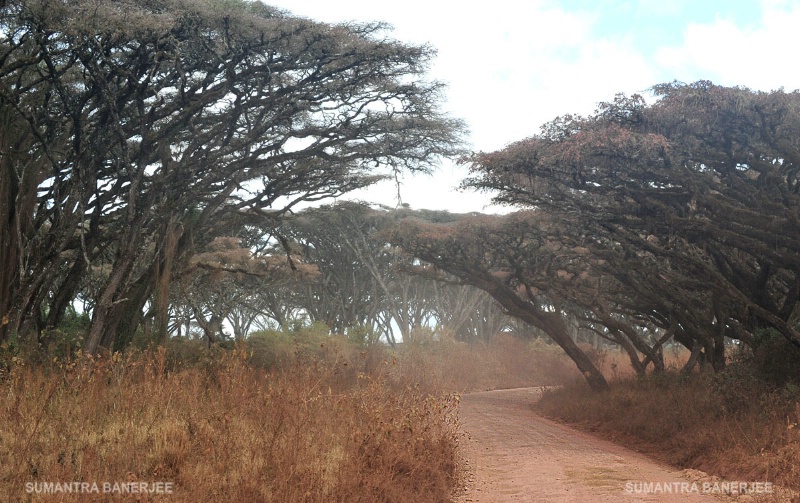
{"x":515,"y":455}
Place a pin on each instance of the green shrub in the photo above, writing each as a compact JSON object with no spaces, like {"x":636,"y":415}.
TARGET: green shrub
{"x":270,"y":348}
{"x":363,"y":336}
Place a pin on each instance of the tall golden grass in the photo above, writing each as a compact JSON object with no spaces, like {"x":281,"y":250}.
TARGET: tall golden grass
{"x":319,"y":420}
{"x":228,"y":432}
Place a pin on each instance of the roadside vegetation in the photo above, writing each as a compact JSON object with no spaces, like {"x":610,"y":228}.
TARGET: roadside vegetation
{"x":738,"y":424}
{"x":300,"y":416}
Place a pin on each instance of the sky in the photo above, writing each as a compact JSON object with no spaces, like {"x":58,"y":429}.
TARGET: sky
{"x":511,"y":66}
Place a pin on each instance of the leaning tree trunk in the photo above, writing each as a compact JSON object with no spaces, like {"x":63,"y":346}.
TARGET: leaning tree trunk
{"x":114,"y":302}
{"x":163,"y":277}
{"x":552,"y":323}
{"x":17,"y":203}
{"x":105,"y":316}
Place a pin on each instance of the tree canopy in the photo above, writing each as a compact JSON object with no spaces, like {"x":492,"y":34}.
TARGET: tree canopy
{"x":134,"y":133}
{"x":364,"y":282}
{"x":153,"y":154}
{"x":679,"y":216}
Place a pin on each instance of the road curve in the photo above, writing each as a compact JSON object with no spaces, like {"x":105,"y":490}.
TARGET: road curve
{"x":515,"y":455}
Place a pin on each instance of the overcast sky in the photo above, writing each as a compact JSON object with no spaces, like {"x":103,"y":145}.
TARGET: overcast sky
{"x":510,"y":66}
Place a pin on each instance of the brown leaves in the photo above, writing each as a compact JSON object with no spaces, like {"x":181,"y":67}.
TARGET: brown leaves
{"x":693,"y":194}
{"x":227,"y":259}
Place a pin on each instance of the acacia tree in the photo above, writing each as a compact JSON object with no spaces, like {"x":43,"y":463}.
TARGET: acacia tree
{"x":405,"y":299}
{"x":469,"y":313}
{"x":346,"y":293}
{"x":227,"y":275}
{"x":516,"y":268}
{"x":692,"y":204}
{"x":677,"y":218}
{"x":135,"y":131}
{"x":364,"y":282}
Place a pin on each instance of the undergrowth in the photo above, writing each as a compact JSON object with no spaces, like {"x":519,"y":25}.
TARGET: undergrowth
{"x":223,"y":431}
{"x":283,"y":417}
{"x":739,"y":424}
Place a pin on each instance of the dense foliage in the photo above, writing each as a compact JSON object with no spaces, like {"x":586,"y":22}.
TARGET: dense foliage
{"x":648,"y":221}
{"x":135,"y":133}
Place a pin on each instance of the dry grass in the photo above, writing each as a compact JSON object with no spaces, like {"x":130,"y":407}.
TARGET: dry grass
{"x":305,"y":417}
{"x":225,"y":431}
{"x":314,"y":420}
{"x":507,"y":362}
{"x":729,"y":424}
{"x":616,"y":365}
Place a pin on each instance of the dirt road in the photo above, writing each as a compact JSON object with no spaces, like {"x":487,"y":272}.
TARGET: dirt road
{"x":515,"y":455}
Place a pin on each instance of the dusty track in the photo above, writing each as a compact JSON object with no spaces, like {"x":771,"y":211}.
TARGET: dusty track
{"x":515,"y":455}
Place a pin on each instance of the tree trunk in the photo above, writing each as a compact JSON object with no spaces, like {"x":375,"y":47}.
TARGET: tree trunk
{"x":693,"y":358}
{"x":551,"y":323}
{"x":557,"y":330}
{"x":163,"y":276}
{"x":17,"y":202}
{"x":633,"y":355}
{"x":106,"y":315}
{"x":66,"y":293}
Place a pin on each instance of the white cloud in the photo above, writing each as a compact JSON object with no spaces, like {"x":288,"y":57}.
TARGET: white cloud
{"x":759,"y":57}
{"x":511,"y":66}
{"x":515,"y":66}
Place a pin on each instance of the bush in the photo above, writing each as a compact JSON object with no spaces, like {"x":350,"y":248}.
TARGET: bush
{"x":774,"y":358}
{"x":272,"y":348}
{"x":63,"y":341}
